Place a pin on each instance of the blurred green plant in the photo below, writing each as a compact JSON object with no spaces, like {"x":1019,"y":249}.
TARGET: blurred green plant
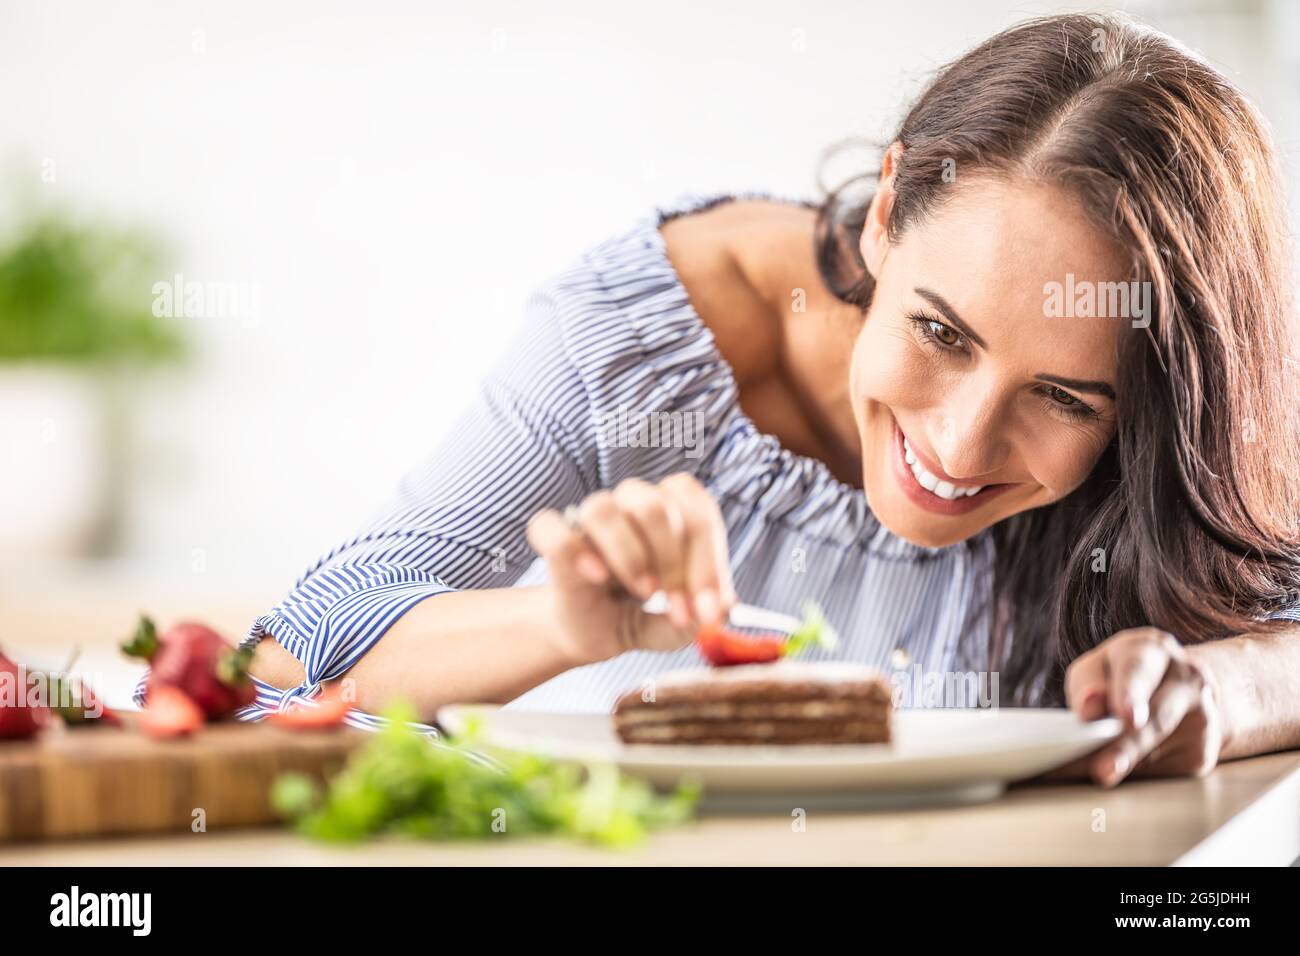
{"x":75,"y":292}
{"x":402,"y":783}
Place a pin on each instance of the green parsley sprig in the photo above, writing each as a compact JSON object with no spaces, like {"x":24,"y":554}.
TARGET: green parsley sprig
{"x":815,"y":631}
{"x":401,"y":782}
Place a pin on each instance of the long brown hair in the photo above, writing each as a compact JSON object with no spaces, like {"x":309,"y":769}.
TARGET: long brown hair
{"x":1190,"y":520}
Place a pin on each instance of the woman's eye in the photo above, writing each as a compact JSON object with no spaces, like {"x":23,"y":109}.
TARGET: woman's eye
{"x":946,"y":334}
{"x":938,"y":334}
{"x":1059,"y":400}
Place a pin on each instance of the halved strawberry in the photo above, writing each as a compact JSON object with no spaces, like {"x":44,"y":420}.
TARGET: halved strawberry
{"x":723,"y":648}
{"x":170,"y":713}
{"x":329,"y":711}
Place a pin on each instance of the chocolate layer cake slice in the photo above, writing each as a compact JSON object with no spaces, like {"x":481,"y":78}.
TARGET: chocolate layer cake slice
{"x":788,"y":702}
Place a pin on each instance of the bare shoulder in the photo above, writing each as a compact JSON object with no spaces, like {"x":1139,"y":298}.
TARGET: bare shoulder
{"x":711,"y":252}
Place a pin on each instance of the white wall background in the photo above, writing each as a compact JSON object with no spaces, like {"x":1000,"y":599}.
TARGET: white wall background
{"x":396,"y":176}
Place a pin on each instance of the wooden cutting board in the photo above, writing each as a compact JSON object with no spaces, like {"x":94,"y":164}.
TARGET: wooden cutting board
{"x":104,"y":780}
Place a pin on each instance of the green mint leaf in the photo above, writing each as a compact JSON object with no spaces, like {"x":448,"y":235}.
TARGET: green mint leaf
{"x":815,"y":631}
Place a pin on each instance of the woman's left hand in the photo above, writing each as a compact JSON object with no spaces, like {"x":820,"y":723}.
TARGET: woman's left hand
{"x":1173,"y":724}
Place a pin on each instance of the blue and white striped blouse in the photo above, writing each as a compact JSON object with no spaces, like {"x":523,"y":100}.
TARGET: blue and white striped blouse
{"x":614,"y":341}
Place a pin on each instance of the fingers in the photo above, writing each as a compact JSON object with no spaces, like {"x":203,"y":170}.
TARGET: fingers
{"x":1085,"y":684}
{"x":643,"y":538}
{"x":1167,"y":702}
{"x":707,"y":565}
{"x":659,"y":523}
{"x":1174,"y":699}
{"x":568,"y":554}
{"x":619,"y":542}
{"x":1137,"y":663}
{"x":1193,"y":732}
{"x":1194,"y":747}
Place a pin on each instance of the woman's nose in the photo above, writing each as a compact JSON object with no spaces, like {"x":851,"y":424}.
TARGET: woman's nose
{"x":970,"y":442}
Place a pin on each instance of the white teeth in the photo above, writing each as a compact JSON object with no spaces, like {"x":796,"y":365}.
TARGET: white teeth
{"x":931,"y":482}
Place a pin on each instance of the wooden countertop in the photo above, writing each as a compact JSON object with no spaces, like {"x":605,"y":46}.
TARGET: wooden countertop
{"x":1247,"y":812}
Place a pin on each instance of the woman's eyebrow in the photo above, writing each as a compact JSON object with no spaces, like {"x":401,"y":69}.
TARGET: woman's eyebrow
{"x":949,"y":313}
{"x":1080,"y":385}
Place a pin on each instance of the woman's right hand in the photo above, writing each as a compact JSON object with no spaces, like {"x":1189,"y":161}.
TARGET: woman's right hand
{"x":628,"y":543}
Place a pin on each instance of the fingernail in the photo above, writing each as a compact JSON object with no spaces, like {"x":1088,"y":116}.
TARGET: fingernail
{"x":707,"y":609}
{"x":1119,"y":765}
{"x":647,"y":585}
{"x":1138,"y":713}
{"x":591,"y":569}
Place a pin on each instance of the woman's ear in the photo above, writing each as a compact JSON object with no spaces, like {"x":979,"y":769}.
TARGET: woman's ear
{"x":875,"y":231}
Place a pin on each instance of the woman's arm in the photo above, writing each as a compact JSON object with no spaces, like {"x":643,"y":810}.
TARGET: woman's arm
{"x":1255,"y":677}
{"x":487,"y":646}
{"x":491,"y":645}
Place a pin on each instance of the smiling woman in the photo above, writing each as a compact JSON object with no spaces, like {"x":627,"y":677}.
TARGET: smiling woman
{"x":890,"y":414}
{"x":1152,"y":480}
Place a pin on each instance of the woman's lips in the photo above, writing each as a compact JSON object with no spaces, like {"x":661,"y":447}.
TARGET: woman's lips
{"x":932,"y":502}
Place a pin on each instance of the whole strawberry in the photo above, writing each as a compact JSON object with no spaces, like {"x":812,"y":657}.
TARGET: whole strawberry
{"x":20,"y":717}
{"x":195,"y":659}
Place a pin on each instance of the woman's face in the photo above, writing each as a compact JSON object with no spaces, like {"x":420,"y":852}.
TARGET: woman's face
{"x":959,"y":379}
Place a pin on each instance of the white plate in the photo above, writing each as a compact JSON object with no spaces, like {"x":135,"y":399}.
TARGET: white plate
{"x":937,"y":756}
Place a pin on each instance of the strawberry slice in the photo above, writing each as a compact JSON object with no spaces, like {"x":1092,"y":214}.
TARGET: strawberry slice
{"x":170,"y":713}
{"x":329,"y":711}
{"x":723,"y":648}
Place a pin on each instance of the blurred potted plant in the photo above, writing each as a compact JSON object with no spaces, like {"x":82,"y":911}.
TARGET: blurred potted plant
{"x":75,"y":320}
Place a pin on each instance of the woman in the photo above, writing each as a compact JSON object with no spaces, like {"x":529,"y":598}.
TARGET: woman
{"x":1027,"y":413}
